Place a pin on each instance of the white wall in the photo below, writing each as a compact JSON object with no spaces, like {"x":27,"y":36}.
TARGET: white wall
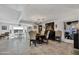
{"x":60,"y":26}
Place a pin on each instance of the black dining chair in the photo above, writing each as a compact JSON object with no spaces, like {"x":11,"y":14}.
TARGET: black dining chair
{"x":46,"y":37}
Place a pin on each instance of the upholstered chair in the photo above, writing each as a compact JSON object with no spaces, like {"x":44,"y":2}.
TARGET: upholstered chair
{"x":58,"y":35}
{"x":32,"y":35}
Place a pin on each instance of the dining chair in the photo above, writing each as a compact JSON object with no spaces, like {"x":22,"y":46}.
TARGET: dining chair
{"x":32,"y":37}
{"x":46,"y":37}
{"x":43,"y":32}
{"x":58,"y":35}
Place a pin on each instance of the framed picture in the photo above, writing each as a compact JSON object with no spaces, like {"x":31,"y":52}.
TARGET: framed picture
{"x":4,"y":27}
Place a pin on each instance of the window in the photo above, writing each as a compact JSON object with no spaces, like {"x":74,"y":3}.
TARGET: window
{"x":4,"y":27}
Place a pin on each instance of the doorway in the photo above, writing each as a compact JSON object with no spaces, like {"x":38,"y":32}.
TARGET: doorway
{"x":69,"y":30}
{"x":17,"y":31}
{"x":50,"y":27}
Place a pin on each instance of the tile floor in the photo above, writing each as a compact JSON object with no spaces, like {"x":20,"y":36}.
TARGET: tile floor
{"x":19,"y":47}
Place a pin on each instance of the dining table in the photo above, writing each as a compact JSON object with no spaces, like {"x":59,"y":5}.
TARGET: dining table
{"x":40,"y":38}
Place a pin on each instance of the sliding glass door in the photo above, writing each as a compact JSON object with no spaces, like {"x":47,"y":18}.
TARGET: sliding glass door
{"x":69,"y":30}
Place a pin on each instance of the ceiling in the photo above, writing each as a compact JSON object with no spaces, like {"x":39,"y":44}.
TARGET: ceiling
{"x":35,"y":13}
